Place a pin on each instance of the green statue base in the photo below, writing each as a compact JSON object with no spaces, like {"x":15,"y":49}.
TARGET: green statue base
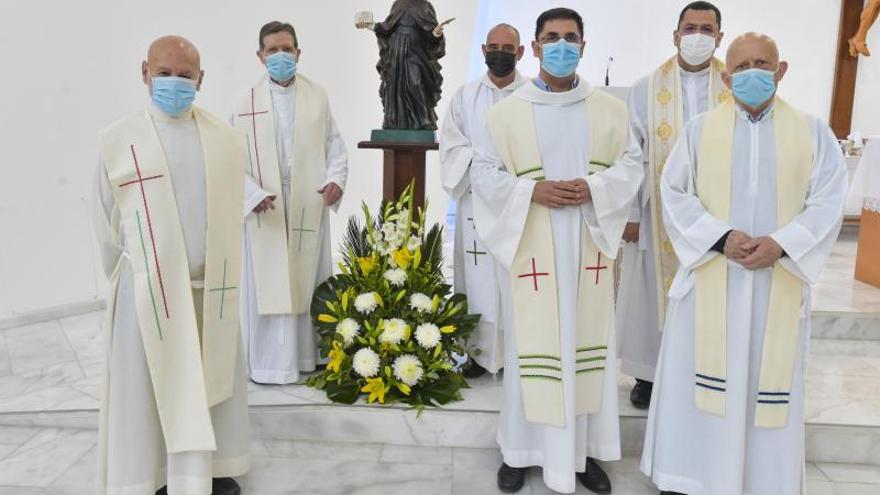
{"x":402,"y":136}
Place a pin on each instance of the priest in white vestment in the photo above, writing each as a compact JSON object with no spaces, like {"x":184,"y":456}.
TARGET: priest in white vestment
{"x":683,"y":87}
{"x":464,"y":130}
{"x":552,"y":194}
{"x":169,"y":216}
{"x":753,"y":196}
{"x":297,"y":154}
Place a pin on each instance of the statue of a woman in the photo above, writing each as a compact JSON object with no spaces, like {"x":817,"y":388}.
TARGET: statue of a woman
{"x":410,"y":44}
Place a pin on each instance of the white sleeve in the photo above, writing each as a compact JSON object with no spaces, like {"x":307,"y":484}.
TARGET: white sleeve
{"x":106,"y":220}
{"x":501,"y":204}
{"x":810,"y":236}
{"x":691,"y":229}
{"x":337,"y":159}
{"x":456,"y":150}
{"x":613,"y":192}
{"x":638,"y":113}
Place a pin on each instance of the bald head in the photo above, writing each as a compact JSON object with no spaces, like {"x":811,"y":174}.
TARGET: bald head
{"x":172,"y":56}
{"x":752,"y":51}
{"x":503,"y":34}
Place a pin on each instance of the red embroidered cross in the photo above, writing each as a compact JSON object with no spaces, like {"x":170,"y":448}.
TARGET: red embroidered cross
{"x":140,"y":180}
{"x":253,"y":115}
{"x":598,"y":268}
{"x":534,"y":275}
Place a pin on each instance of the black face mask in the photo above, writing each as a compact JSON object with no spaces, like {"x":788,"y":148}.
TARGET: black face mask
{"x":500,"y":63}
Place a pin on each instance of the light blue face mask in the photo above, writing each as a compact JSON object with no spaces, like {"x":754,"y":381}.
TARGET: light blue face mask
{"x":754,"y":87}
{"x":173,"y":95}
{"x":281,"y":66}
{"x":560,"y":59}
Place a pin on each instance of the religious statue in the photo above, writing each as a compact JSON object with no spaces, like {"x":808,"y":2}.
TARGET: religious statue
{"x":858,"y":43}
{"x":411,"y":42}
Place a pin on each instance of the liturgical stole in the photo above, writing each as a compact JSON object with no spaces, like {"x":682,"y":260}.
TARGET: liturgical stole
{"x":285,"y":255}
{"x":188,"y":376}
{"x":794,"y":164}
{"x":665,"y":121}
{"x":533,"y":272}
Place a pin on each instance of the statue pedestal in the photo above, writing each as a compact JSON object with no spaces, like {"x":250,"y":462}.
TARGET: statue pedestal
{"x":404,"y":162}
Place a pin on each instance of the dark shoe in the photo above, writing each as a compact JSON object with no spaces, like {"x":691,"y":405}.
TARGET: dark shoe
{"x":473,"y":370}
{"x":225,"y":486}
{"x":594,"y":478}
{"x":162,"y":491}
{"x":511,"y":480}
{"x":641,"y":394}
{"x":671,"y":493}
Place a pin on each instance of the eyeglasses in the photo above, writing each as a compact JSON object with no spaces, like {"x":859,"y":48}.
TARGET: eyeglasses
{"x":553,"y":38}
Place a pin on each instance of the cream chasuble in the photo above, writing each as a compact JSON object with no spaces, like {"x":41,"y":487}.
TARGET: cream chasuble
{"x":535,"y":304}
{"x":188,"y":376}
{"x":665,"y":120}
{"x":793,"y":171}
{"x":285,"y":257}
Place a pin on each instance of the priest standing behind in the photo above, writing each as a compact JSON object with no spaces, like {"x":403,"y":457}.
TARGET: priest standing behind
{"x":753,"y":196}
{"x":552,"y":194}
{"x":297,"y":153}
{"x":169,"y":216}
{"x":683,"y":87}
{"x":463,"y":130}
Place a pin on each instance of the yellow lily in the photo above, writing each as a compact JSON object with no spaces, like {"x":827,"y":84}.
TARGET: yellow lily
{"x":337,"y":355}
{"x":325,"y":318}
{"x":367,"y":264}
{"x":402,"y":257}
{"x":376,"y":388}
{"x":448,"y":329}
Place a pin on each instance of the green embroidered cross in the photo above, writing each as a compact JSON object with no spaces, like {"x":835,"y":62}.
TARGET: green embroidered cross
{"x":476,"y":253}
{"x":301,"y":229}
{"x":147,"y":271}
{"x":223,"y":289}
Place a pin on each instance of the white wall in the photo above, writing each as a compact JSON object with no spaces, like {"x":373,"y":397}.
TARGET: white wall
{"x":73,"y":67}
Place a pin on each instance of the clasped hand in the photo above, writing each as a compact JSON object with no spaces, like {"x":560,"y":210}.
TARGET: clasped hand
{"x":559,"y":193}
{"x":752,"y":253}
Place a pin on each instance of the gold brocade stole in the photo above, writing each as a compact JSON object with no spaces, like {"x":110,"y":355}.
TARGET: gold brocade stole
{"x":285,"y":254}
{"x":794,"y":165}
{"x":533,"y":272}
{"x":188,"y":377}
{"x":665,"y":121}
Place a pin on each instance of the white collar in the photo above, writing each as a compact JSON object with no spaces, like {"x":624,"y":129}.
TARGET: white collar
{"x":518,"y":81}
{"x":160,"y":115}
{"x":534,"y":94}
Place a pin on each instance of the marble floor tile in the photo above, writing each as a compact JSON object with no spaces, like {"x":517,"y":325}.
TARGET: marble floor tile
{"x":86,"y":336}
{"x":852,"y":473}
{"x":17,"y":435}
{"x":813,"y":473}
{"x":79,"y":479}
{"x":45,"y":457}
{"x":21,"y":490}
{"x":39,"y":346}
{"x":476,"y":472}
{"x":407,"y":454}
{"x":304,"y":449}
{"x":5,"y":363}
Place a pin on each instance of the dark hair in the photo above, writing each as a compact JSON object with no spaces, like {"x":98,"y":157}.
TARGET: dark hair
{"x":700,"y":6}
{"x":557,"y":14}
{"x":277,"y":27}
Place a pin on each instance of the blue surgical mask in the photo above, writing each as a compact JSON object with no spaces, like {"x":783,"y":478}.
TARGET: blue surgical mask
{"x":560,"y":59}
{"x":281,"y":66}
{"x":754,"y":87}
{"x":173,"y":95}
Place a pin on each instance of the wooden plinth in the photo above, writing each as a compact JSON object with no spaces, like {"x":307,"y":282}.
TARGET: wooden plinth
{"x":403,"y":163}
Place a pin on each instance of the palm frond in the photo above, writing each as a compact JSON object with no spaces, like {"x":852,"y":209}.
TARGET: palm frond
{"x":355,"y":243}
{"x":432,"y":249}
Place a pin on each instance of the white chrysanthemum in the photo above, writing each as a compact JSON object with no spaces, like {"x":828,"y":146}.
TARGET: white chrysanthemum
{"x":408,"y":369}
{"x":389,"y":230}
{"x":366,"y":362}
{"x":414,"y":243}
{"x":420,"y":302}
{"x":393,"y":332}
{"x":348,"y":329}
{"x":366,"y":303}
{"x":396,"y":277}
{"x":428,"y":335}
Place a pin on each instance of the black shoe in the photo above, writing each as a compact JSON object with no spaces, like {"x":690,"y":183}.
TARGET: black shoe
{"x":671,"y":493}
{"x":594,"y":478}
{"x":511,"y":480}
{"x":473,"y":370}
{"x":225,"y":486}
{"x":641,"y":394}
{"x":162,"y":491}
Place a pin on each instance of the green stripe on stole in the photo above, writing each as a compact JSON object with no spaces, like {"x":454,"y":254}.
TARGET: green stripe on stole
{"x":535,"y":298}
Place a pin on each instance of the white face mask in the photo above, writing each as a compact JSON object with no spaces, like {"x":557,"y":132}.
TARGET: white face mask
{"x":697,"y":48}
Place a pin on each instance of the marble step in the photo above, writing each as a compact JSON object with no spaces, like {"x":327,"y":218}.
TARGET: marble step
{"x":837,"y":325}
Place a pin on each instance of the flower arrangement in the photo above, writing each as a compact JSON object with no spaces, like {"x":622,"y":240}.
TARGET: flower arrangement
{"x":387,"y":323}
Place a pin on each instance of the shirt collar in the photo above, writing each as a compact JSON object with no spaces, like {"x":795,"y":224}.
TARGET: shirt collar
{"x":540,"y":83}
{"x":277,"y":88}
{"x":747,"y":116}
{"x":160,"y":115}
